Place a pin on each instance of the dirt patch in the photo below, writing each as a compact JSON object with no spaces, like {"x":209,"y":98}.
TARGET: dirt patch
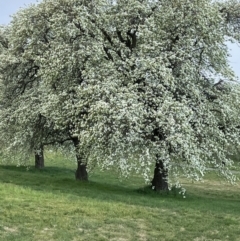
{"x":182,"y":229}
{"x":10,"y":230}
{"x":47,"y":230}
{"x":213,"y":232}
{"x":200,"y":239}
{"x":142,"y":230}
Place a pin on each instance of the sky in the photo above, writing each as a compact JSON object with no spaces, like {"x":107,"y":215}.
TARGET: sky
{"x":9,"y":7}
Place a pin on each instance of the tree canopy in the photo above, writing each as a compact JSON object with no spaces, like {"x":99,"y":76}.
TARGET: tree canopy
{"x":133,"y":83}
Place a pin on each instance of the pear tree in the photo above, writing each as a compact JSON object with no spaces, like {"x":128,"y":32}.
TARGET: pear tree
{"x":24,"y":129}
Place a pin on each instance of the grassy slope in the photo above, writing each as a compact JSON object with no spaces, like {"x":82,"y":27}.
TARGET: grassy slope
{"x":50,"y":205}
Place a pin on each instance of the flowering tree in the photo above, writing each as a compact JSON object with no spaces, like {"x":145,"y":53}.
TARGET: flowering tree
{"x":24,"y":129}
{"x":136,"y":83}
{"x":157,"y":93}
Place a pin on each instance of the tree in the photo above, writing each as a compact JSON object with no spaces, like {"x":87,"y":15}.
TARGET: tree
{"x":134,"y":82}
{"x":155,"y":95}
{"x":24,"y":130}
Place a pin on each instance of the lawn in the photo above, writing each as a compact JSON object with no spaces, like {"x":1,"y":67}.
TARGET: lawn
{"x":39,"y":205}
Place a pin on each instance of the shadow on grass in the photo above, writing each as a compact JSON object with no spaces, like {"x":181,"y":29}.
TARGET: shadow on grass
{"x":57,"y":178}
{"x":31,"y":169}
{"x":106,"y":187}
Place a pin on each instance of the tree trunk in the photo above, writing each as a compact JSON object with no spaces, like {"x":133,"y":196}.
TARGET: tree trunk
{"x":160,"y":178}
{"x":81,"y":172}
{"x":39,"y":158}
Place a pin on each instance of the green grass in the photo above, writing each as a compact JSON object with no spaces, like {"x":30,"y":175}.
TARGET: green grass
{"x":38,"y":205}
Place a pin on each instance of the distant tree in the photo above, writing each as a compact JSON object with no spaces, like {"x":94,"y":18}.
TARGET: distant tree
{"x":23,"y":128}
{"x":133,"y":82}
